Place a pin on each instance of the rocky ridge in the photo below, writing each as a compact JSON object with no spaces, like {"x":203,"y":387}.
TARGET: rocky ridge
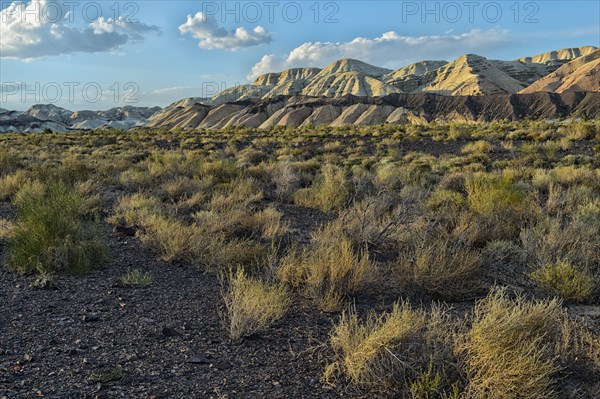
{"x":300,"y":111}
{"x":581,"y":74}
{"x":469,"y":74}
{"x":43,"y":117}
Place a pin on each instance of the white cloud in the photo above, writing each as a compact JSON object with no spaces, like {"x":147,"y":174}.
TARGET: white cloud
{"x":30,"y":30}
{"x":206,"y":29}
{"x":389,"y":50}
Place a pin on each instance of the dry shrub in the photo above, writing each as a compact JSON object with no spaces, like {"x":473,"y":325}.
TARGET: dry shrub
{"x":477,"y":147}
{"x":252,"y":305}
{"x":509,"y":349}
{"x":330,"y":270}
{"x":566,"y":281}
{"x":9,"y":161}
{"x":588,"y":214}
{"x":387,"y":352}
{"x":579,"y":346}
{"x":330,"y":192}
{"x":135,"y":209}
{"x":136,"y":179}
{"x":11,"y":184}
{"x":177,"y":241}
{"x":90,"y":191}
{"x":503,"y":254}
{"x":286,"y":180}
{"x":553,"y":239}
{"x":580,"y":131}
{"x":237,"y":193}
{"x":503,"y":205}
{"x":234,"y":214}
{"x":181,"y":188}
{"x":442,"y":269}
{"x":373,"y":222}
{"x":174,"y":240}
{"x":269,"y":223}
{"x":5,"y":230}
{"x":445,"y":201}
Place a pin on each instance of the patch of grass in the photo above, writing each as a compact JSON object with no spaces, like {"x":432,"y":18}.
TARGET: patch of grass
{"x":509,"y":349}
{"x":252,"y":305}
{"x":432,"y":384}
{"x":53,"y":232}
{"x":441,"y":269}
{"x":566,"y":281}
{"x":387,"y":352}
{"x":6,"y":227}
{"x":137,"y":278}
{"x":503,"y":205}
{"x":478,"y":148}
{"x":329,"y":193}
{"x":330,"y":271}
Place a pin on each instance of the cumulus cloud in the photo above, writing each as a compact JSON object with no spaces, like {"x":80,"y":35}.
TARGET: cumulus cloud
{"x":206,"y":29}
{"x":42,"y":28}
{"x":389,"y":50}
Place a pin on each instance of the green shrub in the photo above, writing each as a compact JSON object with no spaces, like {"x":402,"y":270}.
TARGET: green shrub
{"x":53,"y":231}
{"x":252,"y":305}
{"x":137,"y":278}
{"x":510,"y":348}
{"x":503,"y":205}
{"x":329,"y":193}
{"x":330,"y":270}
{"x":386,"y":352}
{"x":566,"y":281}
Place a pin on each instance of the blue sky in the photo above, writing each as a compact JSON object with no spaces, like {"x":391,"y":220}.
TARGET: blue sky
{"x":105,"y":54}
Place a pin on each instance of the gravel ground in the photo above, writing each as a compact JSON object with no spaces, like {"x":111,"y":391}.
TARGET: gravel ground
{"x":90,"y":337}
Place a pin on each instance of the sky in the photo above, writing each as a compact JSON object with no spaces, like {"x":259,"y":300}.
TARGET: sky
{"x":103,"y":54}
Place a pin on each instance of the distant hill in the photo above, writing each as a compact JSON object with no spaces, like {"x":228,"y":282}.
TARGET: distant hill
{"x":581,"y":74}
{"x":395,"y":108}
{"x":469,"y":74}
{"x":561,"y":83}
{"x":41,"y":117}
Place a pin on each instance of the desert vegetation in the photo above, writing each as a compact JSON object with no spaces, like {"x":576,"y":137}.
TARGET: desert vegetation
{"x":447,"y":260}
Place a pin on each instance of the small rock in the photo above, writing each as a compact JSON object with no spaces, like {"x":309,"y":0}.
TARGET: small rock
{"x":222,"y":365}
{"x":170,"y":332}
{"x":199,"y":360}
{"x":89,"y":317}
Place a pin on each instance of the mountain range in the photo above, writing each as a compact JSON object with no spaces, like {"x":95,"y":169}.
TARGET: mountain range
{"x":469,"y":74}
{"x":562,"y":83}
{"x":43,"y":117}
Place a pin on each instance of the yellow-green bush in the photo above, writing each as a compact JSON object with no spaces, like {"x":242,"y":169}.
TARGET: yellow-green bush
{"x":252,"y":304}
{"x":566,"y":281}
{"x":499,"y":202}
{"x":330,"y":192}
{"x":387,"y":352}
{"x":510,"y":348}
{"x":330,"y":270}
{"x":53,"y":232}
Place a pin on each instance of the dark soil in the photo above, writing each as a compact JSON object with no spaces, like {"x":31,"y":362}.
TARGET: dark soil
{"x":91,"y":337}
{"x":88,"y":336}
